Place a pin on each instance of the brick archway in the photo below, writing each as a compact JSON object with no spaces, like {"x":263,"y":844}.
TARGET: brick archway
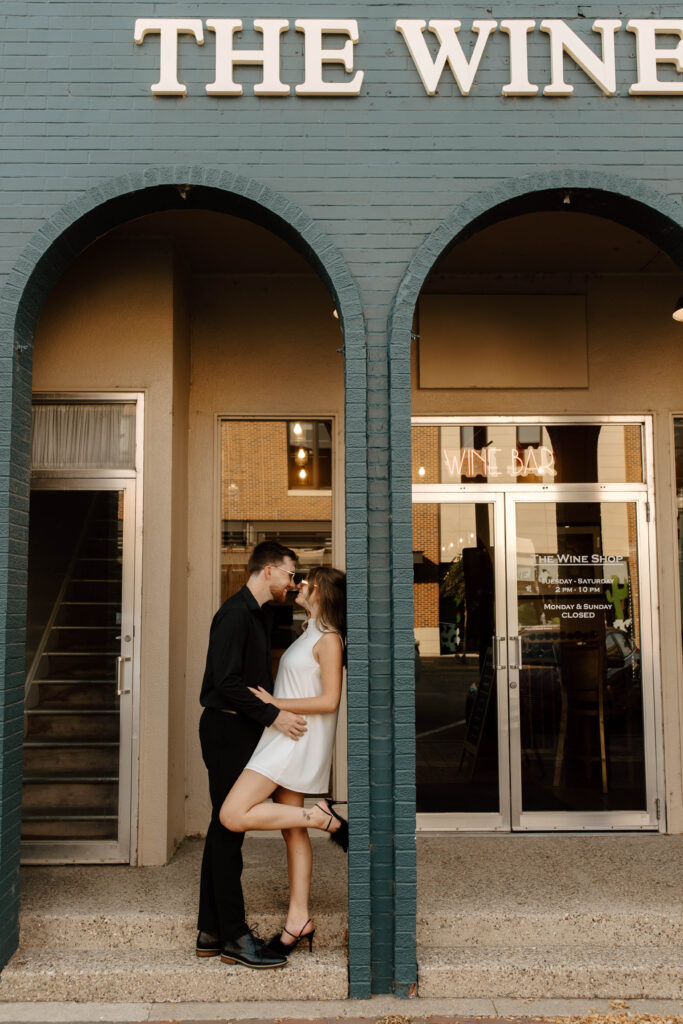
{"x":53,"y":248}
{"x":630,"y":203}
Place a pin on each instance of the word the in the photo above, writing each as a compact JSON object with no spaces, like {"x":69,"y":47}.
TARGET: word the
{"x":563,"y":43}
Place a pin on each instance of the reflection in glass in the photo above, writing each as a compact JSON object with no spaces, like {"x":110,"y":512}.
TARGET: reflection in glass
{"x":258,"y":503}
{"x":581,"y":706}
{"x":456,"y":707}
{"x":505,"y":453}
{"x":310,"y":455}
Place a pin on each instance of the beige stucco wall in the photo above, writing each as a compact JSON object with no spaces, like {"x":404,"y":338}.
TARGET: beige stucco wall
{"x":108,"y":326}
{"x":261,"y":346}
{"x":634,"y":351}
{"x":130,"y":315}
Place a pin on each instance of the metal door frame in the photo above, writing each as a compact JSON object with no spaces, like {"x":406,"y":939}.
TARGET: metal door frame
{"x":488,"y":821}
{"x":642,"y":494}
{"x":577,"y":821}
{"x":123,"y":850}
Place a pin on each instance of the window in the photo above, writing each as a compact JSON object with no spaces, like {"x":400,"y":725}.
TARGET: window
{"x":261,"y":501}
{"x":309,"y":455}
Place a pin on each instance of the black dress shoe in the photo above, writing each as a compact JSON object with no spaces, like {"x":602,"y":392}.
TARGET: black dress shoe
{"x":208,"y":944}
{"x":250,"y":952}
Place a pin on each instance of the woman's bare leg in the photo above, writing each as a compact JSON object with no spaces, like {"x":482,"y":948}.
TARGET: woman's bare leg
{"x":244,"y":808}
{"x":299,"y":867}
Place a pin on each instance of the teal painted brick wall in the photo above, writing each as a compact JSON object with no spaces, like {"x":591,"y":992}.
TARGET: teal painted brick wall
{"x":378,"y":174}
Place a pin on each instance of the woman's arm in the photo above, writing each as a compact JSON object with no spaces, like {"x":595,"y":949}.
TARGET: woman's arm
{"x":328,"y":654}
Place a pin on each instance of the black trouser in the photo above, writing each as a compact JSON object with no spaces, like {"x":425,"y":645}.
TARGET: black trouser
{"x":228,"y":741}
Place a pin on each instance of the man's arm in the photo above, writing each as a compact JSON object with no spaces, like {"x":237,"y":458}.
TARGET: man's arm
{"x":227,"y":641}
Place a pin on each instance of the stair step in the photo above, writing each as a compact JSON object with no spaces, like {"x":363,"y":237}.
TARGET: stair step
{"x":85,"y":653}
{"x":111,"y":625}
{"x":53,"y":831}
{"x":86,"y":727}
{"x":59,"y":799}
{"x":93,"y":579}
{"x":71,"y":760}
{"x":74,"y":695}
{"x":66,"y":814}
{"x":614,"y":926}
{"x":42,"y":710}
{"x":139,"y":927}
{"x":67,"y":744}
{"x":64,"y":779}
{"x":99,"y":558}
{"x":551,"y":972}
{"x":167,"y":976}
{"x":65,"y":682}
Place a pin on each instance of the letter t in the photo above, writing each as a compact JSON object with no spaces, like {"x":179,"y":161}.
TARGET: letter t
{"x":169,"y":29}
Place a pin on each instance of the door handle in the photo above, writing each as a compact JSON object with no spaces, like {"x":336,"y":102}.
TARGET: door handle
{"x":498,"y":661}
{"x":120,"y":676}
{"x":517,"y":640}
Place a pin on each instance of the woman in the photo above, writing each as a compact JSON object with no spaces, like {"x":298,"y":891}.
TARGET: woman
{"x":309,"y":682}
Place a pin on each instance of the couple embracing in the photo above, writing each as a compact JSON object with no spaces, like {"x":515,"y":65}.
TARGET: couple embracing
{"x":261,"y":740}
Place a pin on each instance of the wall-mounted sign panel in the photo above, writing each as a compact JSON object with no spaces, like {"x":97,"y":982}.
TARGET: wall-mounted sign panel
{"x":503,"y":341}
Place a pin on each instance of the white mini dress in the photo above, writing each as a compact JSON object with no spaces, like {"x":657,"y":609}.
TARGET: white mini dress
{"x":301,"y":765}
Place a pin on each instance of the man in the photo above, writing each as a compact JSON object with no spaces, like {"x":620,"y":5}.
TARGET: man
{"x":229,"y":729}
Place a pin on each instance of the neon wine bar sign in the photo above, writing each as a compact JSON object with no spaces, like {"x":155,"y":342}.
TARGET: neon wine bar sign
{"x":486,"y":462}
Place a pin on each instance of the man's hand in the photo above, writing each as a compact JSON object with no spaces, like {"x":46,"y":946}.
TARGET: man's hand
{"x":290,"y":724}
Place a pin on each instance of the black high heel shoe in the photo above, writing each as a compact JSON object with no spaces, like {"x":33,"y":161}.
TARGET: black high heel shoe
{"x":341,"y":835}
{"x":285,"y":948}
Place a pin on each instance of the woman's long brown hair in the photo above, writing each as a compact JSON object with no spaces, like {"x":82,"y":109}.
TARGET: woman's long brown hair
{"x":331,"y":586}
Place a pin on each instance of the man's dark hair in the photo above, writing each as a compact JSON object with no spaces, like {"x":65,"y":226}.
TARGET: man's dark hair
{"x":269,"y":552}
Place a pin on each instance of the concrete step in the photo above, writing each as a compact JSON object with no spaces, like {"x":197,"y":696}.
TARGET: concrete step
{"x":551,"y":972}
{"x":169,"y":976}
{"x":142,"y":929}
{"x":652,"y":926}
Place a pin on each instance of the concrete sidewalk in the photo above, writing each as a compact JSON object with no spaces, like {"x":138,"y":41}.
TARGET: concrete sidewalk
{"x":353,"y":1011}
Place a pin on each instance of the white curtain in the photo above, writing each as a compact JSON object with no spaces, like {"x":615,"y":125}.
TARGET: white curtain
{"x":81,"y":436}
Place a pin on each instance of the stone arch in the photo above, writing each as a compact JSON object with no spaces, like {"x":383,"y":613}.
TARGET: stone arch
{"x":60,"y":239}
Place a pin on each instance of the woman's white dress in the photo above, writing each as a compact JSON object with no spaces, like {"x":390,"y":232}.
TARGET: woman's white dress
{"x":301,"y":765}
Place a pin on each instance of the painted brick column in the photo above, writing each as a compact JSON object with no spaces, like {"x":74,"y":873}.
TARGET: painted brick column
{"x":391,"y":702}
{"x":15,"y":418}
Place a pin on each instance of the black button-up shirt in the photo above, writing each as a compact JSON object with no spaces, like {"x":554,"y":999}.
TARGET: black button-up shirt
{"x":238,"y":657}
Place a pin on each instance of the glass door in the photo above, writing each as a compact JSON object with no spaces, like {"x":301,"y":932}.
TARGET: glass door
{"x":580,"y":665}
{"x":460,"y":662}
{"x":80,"y":672}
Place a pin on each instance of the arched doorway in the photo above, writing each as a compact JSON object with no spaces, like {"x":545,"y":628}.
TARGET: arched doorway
{"x":168,"y":277}
{"x":539,"y":696}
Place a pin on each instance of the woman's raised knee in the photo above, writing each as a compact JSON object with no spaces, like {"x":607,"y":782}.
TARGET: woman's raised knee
{"x":231,"y":819}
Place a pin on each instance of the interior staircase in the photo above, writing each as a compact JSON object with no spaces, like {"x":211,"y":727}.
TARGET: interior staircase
{"x":71,"y":745}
